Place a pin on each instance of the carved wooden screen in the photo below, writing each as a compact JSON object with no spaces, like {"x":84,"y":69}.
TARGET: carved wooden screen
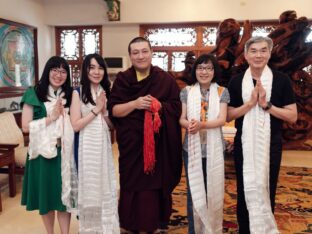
{"x":291,"y":54}
{"x":171,"y":42}
{"x":74,"y":43}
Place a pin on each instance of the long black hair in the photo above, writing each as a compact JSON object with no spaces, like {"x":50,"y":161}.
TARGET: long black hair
{"x":42,"y":86}
{"x":86,"y":95}
{"x":206,"y":58}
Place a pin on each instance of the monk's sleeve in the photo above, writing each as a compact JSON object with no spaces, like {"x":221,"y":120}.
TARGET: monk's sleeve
{"x":117,"y":96}
{"x":172,"y":105}
{"x":171,"y":141}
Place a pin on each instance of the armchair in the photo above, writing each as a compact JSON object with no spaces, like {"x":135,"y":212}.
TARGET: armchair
{"x":12,"y":136}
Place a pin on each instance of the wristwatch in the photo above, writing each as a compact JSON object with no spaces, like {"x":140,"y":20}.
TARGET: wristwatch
{"x":268,"y":106}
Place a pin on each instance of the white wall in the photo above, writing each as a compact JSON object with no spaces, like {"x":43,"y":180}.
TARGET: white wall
{"x":116,"y":35}
{"x":75,"y":12}
{"x":60,"y":12}
{"x":31,"y":12}
{"x":150,"y":11}
{"x":116,"y":39}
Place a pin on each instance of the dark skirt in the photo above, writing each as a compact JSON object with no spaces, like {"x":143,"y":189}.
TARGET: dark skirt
{"x":144,"y":210}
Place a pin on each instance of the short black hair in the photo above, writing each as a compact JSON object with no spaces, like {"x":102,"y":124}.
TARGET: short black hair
{"x":138,"y":39}
{"x":205,"y":58}
{"x":86,"y":95}
{"x":42,"y":86}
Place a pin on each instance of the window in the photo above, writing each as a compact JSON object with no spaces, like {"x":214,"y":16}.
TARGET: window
{"x":74,"y":43}
{"x":172,"y":36}
{"x":263,"y":30}
{"x":209,"y":36}
{"x":309,"y":37}
{"x":170,"y":43}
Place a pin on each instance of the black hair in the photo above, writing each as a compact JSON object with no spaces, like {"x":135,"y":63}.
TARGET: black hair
{"x":86,"y":95}
{"x":42,"y":86}
{"x":138,"y":39}
{"x":205,"y":58}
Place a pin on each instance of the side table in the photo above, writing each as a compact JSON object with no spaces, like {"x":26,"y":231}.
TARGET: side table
{"x":7,"y":159}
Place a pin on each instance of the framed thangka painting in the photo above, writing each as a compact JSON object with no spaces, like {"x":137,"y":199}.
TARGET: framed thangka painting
{"x":18,"y":58}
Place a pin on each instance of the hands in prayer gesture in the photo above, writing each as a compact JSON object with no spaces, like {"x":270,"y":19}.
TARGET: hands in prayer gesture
{"x":258,"y":95}
{"x":57,"y":110}
{"x":101,"y":102}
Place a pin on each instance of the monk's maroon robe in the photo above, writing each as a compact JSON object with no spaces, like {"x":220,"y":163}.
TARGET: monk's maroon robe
{"x":129,"y":133}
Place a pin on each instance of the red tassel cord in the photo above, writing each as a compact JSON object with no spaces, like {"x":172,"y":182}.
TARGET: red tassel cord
{"x":151,"y":126}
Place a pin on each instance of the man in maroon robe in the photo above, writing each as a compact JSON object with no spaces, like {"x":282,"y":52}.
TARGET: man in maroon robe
{"x":145,"y":198}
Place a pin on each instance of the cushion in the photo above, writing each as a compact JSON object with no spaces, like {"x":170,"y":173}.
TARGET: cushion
{"x":10,"y":133}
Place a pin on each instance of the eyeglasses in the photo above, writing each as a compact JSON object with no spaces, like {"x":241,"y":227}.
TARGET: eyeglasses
{"x":62,"y":72}
{"x":202,"y":68}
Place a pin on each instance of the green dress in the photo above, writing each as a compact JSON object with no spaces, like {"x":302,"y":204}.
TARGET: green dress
{"x":42,"y":184}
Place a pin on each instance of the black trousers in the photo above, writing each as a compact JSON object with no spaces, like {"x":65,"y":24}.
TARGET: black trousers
{"x":241,"y":211}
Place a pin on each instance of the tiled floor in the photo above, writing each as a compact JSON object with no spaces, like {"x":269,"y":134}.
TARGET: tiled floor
{"x":14,"y":218}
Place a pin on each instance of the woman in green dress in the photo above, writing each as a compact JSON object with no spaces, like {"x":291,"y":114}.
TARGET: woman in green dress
{"x":44,"y":113}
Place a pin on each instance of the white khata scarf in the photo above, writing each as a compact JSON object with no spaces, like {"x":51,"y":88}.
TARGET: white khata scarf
{"x":256,"y":136}
{"x":98,"y":199}
{"x":208,"y":210}
{"x":42,"y":138}
{"x":43,"y":141}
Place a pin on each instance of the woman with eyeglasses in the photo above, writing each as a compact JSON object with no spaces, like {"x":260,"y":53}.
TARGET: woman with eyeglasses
{"x":204,"y":106}
{"x":50,"y":180}
{"x":97,"y":201}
